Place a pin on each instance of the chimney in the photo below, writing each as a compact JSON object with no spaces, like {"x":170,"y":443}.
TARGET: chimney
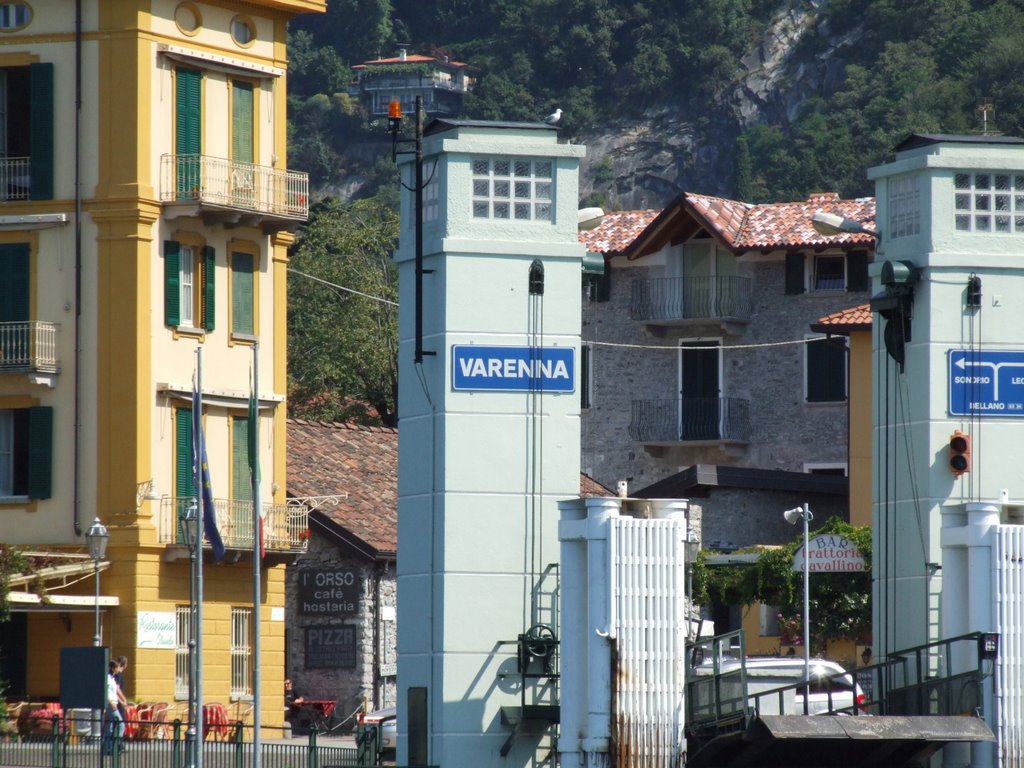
{"x":401,"y":54}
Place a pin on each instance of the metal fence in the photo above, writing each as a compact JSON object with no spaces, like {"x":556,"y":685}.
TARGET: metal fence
{"x":284,"y":525}
{"x":668,"y":299}
{"x":29,"y":346}
{"x":63,"y":748}
{"x":690,"y":419}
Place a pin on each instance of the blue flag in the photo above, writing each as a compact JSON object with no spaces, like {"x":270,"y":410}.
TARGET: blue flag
{"x":203,"y":477}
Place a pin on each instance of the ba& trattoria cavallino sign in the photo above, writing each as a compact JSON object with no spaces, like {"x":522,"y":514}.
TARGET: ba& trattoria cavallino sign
{"x":830,"y":553}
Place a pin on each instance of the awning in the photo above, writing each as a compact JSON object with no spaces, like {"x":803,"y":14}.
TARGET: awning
{"x":29,"y":601}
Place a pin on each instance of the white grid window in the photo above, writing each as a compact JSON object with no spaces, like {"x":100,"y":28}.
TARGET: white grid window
{"x":241,"y":652}
{"x":512,"y":188}
{"x":904,"y":206}
{"x":183,"y":633}
{"x":188,"y":272}
{"x":989,"y":202}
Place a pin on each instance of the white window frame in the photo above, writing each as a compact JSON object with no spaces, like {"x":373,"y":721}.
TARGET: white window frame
{"x":519,"y":189}
{"x":241,"y":653}
{"x":187,"y":277}
{"x":989,"y":202}
{"x":807,"y":371}
{"x":812,"y":272}
{"x":183,"y":634}
{"x":904,"y":206}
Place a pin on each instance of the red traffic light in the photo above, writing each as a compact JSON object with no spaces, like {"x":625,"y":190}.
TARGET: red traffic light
{"x":959,"y":453}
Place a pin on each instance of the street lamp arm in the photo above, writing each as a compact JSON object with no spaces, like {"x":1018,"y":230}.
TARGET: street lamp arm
{"x":829,"y":224}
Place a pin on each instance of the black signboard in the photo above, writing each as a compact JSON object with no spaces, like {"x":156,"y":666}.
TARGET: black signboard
{"x":333,"y":647}
{"x":329,"y":592}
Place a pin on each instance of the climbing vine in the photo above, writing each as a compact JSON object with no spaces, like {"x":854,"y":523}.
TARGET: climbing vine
{"x":11,"y":562}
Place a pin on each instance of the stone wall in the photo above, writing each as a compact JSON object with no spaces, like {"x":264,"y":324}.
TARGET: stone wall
{"x":372,"y":678}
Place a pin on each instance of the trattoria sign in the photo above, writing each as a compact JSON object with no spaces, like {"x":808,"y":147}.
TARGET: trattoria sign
{"x":830,"y":553}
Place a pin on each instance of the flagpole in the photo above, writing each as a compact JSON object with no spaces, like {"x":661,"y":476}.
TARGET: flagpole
{"x":257,"y":550}
{"x":200,"y":533}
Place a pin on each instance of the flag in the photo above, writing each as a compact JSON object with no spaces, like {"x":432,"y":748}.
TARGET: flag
{"x":254,"y":461}
{"x":203,"y":476}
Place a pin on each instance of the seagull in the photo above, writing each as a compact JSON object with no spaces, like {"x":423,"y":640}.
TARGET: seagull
{"x":554,"y":117}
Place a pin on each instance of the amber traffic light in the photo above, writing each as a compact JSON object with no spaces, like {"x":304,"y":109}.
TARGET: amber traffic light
{"x":959,"y":453}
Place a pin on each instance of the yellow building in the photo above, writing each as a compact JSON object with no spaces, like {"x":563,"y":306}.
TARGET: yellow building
{"x":145,"y":211}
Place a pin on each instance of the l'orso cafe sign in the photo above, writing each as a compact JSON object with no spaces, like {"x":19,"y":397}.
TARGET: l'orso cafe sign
{"x":830,"y":553}
{"x":329,"y":591}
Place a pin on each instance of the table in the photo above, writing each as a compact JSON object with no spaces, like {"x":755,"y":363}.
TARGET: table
{"x":215,"y":721}
{"x":312,"y":713}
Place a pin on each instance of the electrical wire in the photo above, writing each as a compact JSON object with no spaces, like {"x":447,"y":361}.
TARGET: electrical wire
{"x":343,"y":288}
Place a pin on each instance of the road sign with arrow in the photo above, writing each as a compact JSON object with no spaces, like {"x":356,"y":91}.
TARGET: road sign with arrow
{"x":986,"y":383}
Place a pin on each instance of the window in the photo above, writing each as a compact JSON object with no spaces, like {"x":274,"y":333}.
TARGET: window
{"x":26,"y":448}
{"x":827,"y":272}
{"x":243,"y":32}
{"x":241,"y":484}
{"x":183,"y":635}
{"x":768,"y":621}
{"x":989,"y":202}
{"x":904,"y":206}
{"x":586,"y":374}
{"x":243,"y":295}
{"x":825,"y":373}
{"x":189,"y":289}
{"x":188,"y":18}
{"x":188,"y":134}
{"x":14,"y":16}
{"x":241,"y":653}
{"x":836,"y":470}
{"x":26,"y":132}
{"x":184,"y":478}
{"x":505,"y":188}
{"x":14,"y":289}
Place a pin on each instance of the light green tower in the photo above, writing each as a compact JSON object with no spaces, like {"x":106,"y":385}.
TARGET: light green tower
{"x":489,"y":434}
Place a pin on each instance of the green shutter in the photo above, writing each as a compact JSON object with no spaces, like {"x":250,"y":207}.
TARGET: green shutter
{"x":14,"y":282}
{"x":188,"y":129}
{"x":41,"y":123}
{"x":209,"y":287}
{"x":184,"y":482}
{"x":172,"y":283}
{"x":857,"y":271}
{"x":241,"y":122}
{"x":794,"y":273}
{"x":242,"y":293}
{"x":40,"y":452}
{"x":585,"y":363}
{"x":241,"y":484}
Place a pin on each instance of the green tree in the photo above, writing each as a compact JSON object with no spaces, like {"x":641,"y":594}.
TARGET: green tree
{"x":343,"y":314}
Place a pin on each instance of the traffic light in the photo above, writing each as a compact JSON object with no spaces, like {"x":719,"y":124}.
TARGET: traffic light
{"x":959,"y":453}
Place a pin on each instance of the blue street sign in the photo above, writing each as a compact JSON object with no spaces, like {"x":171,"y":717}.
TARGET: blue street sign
{"x":986,"y":383}
{"x":513,"y":369}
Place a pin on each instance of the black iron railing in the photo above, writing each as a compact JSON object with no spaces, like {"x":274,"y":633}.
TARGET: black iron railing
{"x":693,"y":419}
{"x":675,"y":299}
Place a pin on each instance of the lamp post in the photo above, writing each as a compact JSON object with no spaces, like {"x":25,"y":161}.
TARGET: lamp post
{"x":792,"y":515}
{"x":692,"y":549}
{"x":97,"y":538}
{"x":190,"y":533}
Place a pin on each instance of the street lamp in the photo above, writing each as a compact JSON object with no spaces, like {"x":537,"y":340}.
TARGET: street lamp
{"x":97,"y":538}
{"x":828,"y":224}
{"x":792,"y":515}
{"x":692,"y":549}
{"x":190,"y":534}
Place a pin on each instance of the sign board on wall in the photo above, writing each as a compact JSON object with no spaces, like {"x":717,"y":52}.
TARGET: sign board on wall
{"x":329,"y":592}
{"x":155,"y":629}
{"x":330,"y":647}
{"x":986,"y":382}
{"x":513,"y":369}
{"x":830,"y":553}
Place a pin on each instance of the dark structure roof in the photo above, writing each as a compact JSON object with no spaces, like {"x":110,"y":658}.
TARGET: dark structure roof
{"x":440,"y":124}
{"x":915,"y":140}
{"x":696,"y":480}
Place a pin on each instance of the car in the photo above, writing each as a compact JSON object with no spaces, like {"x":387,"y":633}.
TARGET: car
{"x":386,"y":722}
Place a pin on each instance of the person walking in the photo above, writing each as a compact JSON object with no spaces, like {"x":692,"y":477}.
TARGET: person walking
{"x":114,"y":730}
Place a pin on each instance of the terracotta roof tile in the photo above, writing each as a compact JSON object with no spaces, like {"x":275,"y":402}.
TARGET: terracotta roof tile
{"x":853,"y":318}
{"x":788,"y":225}
{"x":617,"y":230}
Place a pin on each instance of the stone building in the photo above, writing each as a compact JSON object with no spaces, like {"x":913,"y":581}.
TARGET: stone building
{"x":340,"y":627}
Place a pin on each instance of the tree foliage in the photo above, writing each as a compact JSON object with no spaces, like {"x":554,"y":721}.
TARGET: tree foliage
{"x":343,"y":313}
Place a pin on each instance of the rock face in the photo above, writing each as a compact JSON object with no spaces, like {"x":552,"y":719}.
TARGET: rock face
{"x":644,"y":162}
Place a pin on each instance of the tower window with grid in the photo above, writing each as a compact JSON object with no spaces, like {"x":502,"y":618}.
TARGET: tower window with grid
{"x":904,"y":206}
{"x":182,"y":666}
{"x":512,"y":188}
{"x":989,"y":202}
{"x":241,"y":652}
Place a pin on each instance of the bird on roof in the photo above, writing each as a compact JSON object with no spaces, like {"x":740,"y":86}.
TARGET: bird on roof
{"x":554,"y":117}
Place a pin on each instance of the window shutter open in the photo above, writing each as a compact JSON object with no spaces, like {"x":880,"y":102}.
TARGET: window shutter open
{"x":794,"y":273}
{"x":40,"y":452}
{"x":209,"y":287}
{"x":857,"y":271}
{"x":184,"y":485}
{"x":172,"y":283}
{"x":41,"y":122}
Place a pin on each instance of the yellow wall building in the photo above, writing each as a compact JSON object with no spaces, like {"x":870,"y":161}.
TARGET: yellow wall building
{"x":145,"y":212}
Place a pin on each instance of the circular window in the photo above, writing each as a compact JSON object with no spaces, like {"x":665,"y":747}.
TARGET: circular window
{"x":14,"y":16}
{"x":188,"y":18}
{"x":243,"y":31}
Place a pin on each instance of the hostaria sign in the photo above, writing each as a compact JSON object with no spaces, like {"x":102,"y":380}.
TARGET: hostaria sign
{"x":830,"y":553}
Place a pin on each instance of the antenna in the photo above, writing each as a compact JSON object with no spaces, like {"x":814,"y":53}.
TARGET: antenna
{"x":985,"y":107}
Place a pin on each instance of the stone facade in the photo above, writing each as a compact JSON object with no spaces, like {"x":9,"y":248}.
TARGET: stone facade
{"x":371,"y":680}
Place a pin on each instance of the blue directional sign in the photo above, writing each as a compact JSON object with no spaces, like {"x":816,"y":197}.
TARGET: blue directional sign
{"x":513,"y":369}
{"x":986,"y":383}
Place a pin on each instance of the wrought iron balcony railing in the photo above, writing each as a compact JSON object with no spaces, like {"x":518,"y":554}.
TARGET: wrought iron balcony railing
{"x":15,"y":178}
{"x":668,"y":300}
{"x":285,"y":526}
{"x":683,"y":420}
{"x":227,"y":184}
{"x":29,"y":346}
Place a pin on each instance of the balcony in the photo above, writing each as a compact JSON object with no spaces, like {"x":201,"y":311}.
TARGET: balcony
{"x":285,"y":526}
{"x":29,"y":347}
{"x":15,"y":178}
{"x":694,"y":421}
{"x":233,"y":193}
{"x":679,"y":301}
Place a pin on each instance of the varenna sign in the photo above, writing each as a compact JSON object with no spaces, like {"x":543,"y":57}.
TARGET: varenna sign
{"x":513,"y":369}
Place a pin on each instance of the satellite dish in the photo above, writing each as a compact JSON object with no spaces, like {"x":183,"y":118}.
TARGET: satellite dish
{"x":589,"y":218}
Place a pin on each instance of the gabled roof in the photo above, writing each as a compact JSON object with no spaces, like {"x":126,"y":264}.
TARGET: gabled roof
{"x":697,"y":479}
{"x":416,"y":58}
{"x":618,"y":229}
{"x":848,"y":320}
{"x":745,"y":227}
{"x":327,"y":459}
